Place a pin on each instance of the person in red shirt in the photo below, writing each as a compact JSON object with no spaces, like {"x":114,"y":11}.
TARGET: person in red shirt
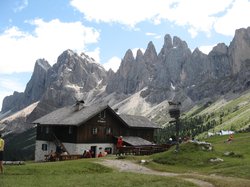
{"x":100,"y":155}
{"x":119,"y":144}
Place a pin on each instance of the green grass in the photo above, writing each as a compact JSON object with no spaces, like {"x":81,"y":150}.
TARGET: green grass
{"x":191,"y":158}
{"x":229,"y":114}
{"x":84,"y":172}
{"x":190,"y":162}
{"x":193,"y":162}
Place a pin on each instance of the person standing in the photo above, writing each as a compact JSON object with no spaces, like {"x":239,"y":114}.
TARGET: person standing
{"x":119,"y":145}
{"x":1,"y":153}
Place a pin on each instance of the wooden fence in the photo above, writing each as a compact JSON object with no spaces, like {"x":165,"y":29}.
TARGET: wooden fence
{"x":144,"y":149}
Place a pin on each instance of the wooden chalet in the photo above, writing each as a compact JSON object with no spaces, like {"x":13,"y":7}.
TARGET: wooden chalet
{"x":78,"y":128}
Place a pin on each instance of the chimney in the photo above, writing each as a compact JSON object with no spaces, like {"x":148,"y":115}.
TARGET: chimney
{"x":116,"y":111}
{"x":78,"y":105}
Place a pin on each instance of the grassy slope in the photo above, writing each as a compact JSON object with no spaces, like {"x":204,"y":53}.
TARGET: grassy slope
{"x":82,"y":172}
{"x":229,"y":114}
{"x":193,"y":159}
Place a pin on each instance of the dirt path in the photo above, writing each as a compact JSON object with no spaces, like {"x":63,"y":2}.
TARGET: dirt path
{"x":127,"y":166}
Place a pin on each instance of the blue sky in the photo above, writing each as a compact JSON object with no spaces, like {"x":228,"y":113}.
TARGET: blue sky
{"x":105,"y":30}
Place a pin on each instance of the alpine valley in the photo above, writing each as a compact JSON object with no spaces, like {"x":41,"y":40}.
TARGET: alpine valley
{"x":206,"y":85}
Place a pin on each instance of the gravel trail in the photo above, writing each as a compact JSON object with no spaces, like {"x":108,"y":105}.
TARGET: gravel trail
{"x":127,"y":166}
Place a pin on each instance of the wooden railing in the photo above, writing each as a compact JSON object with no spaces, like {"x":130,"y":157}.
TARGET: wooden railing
{"x":144,"y":149}
{"x":59,"y":143}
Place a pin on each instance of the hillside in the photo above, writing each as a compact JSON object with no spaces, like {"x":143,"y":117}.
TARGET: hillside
{"x":229,"y":113}
{"x":192,"y":158}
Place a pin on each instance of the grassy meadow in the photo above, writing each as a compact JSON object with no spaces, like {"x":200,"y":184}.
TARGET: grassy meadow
{"x":84,"y":172}
{"x":190,"y":162}
{"x":192,"y":158}
{"x":194,"y":162}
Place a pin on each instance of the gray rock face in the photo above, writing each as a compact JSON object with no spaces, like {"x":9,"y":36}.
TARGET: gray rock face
{"x":174,"y":72}
{"x":35,"y":89}
{"x":37,"y":84}
{"x":220,"y":61}
{"x":13,"y":102}
{"x":195,"y":74}
{"x":72,"y":77}
{"x":134,"y":73}
{"x":239,"y":49}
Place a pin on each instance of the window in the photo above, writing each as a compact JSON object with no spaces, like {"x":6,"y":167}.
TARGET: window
{"x":108,"y":131}
{"x":94,"y":131}
{"x":44,"y":147}
{"x":108,"y":150}
{"x":102,"y":114}
{"x":70,"y":130}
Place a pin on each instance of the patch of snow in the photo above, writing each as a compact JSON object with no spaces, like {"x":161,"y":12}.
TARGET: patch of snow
{"x":42,"y":65}
{"x":67,"y":69}
{"x":74,"y":87}
{"x":172,"y":86}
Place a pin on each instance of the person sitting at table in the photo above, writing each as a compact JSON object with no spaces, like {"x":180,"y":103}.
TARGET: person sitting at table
{"x":52,"y":156}
{"x":88,"y":154}
{"x":100,"y":155}
{"x":64,"y":153}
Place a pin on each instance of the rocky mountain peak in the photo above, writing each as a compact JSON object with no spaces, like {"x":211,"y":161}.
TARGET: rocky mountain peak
{"x":42,"y":63}
{"x":129,"y":57}
{"x":178,"y":43}
{"x":196,"y":52}
{"x":220,"y":48}
{"x":37,"y":84}
{"x":155,"y":77}
{"x":34,"y":90}
{"x":239,"y":49}
{"x":139,"y":55}
{"x":150,"y":53}
{"x":168,"y":42}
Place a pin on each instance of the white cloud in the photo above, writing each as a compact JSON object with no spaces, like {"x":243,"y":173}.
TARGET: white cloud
{"x":113,"y":63}
{"x":20,"y":50}
{"x":127,"y":12}
{"x":94,"y":54}
{"x":150,"y":34}
{"x":206,"y":49}
{"x":11,"y":85}
{"x":156,"y":36}
{"x":21,"y":5}
{"x":237,"y":16}
{"x":195,"y":16}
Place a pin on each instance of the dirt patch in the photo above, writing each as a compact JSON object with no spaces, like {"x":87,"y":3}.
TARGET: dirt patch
{"x":127,"y":166}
